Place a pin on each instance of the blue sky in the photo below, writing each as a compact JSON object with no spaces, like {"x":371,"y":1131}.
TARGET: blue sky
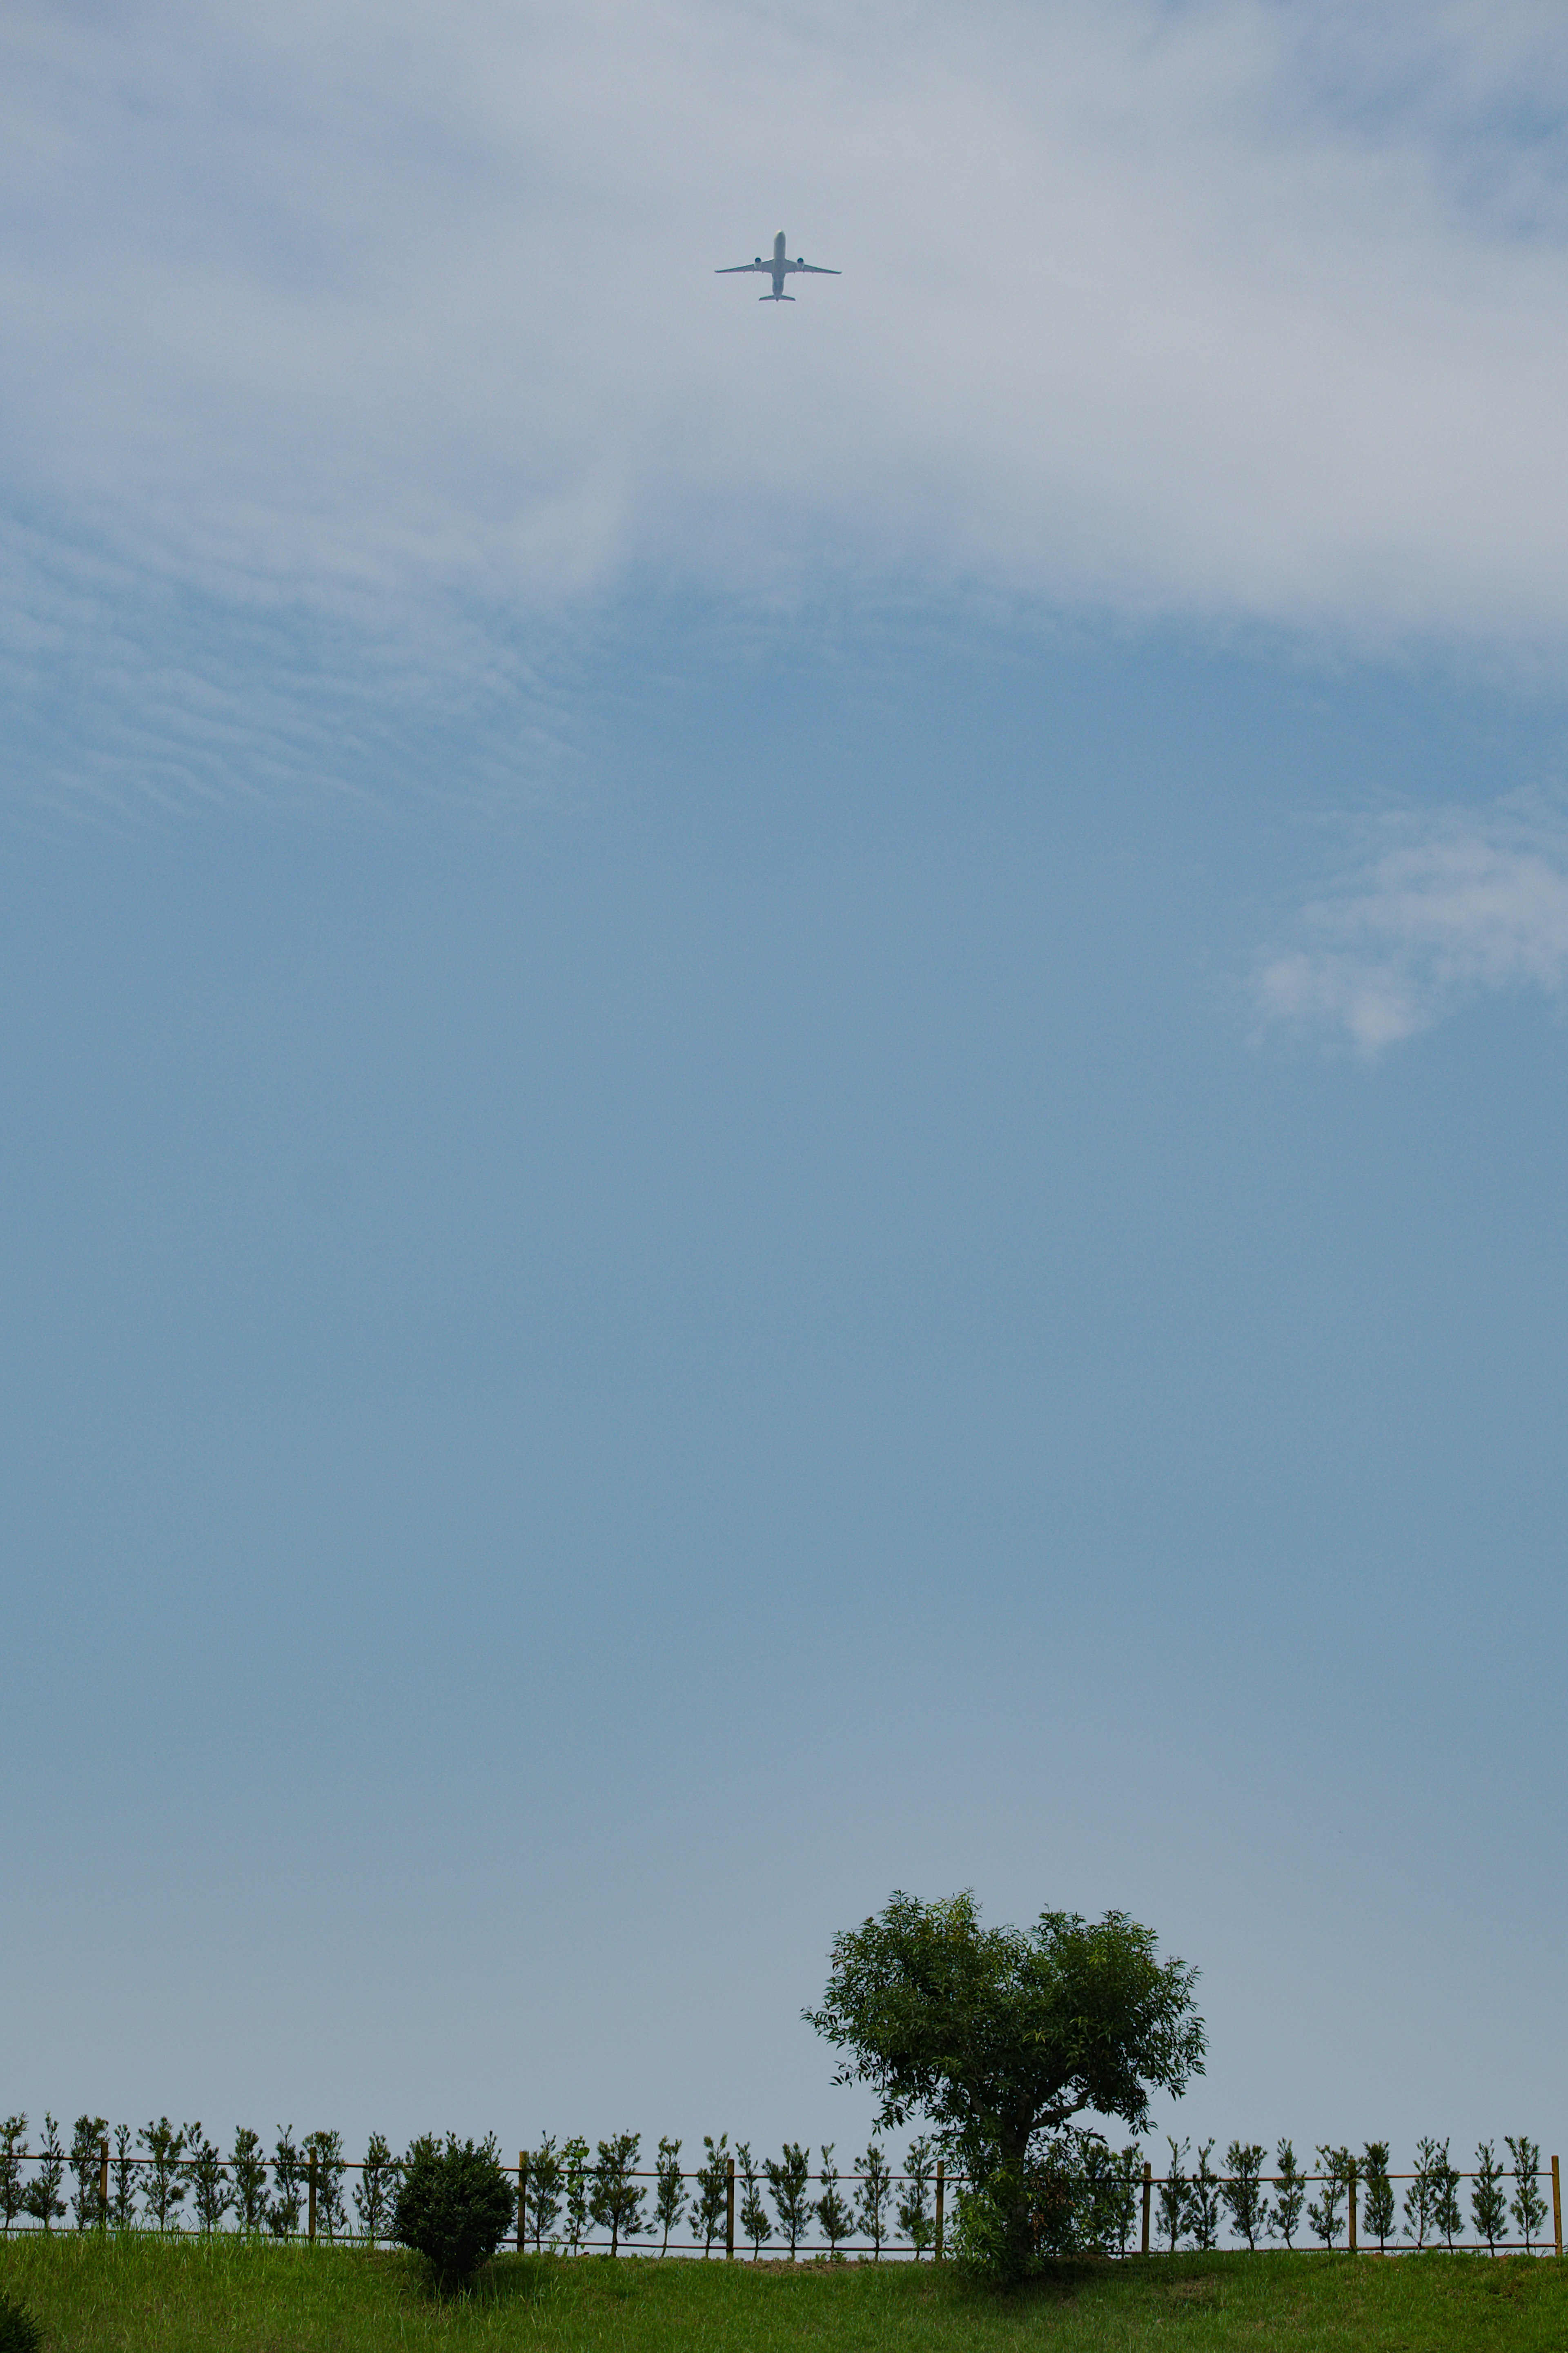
{"x":784,"y":1088}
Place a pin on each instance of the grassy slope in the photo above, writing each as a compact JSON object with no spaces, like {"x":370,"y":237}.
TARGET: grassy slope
{"x":135,"y":2293}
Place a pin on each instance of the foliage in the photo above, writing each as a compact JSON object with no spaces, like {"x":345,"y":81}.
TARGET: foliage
{"x":1002,"y":2036}
{"x":1242,"y":2190}
{"x":614,"y":2201}
{"x":1488,"y":2207}
{"x":41,"y":2198}
{"x":833,"y":2211}
{"x":122,"y":2182}
{"x":283,"y":2214}
{"x":1446,"y":2214}
{"x":543,"y":2181}
{"x":455,"y":2205}
{"x":1421,"y":2196}
{"x":1378,"y":2206}
{"x":1203,"y":2208}
{"x":1113,"y":2179}
{"x":1528,"y":2207}
{"x":1290,"y":2195}
{"x":12,"y":2141}
{"x":710,"y":2206}
{"x":788,"y":2178}
{"x":325,"y":2151}
{"x":87,"y":2172}
{"x":376,"y":2192}
{"x":247,"y":2168}
{"x":575,"y":2175}
{"x":1173,"y":2194}
{"x":913,"y":2207}
{"x":756,"y":2220}
{"x":1324,"y":2211}
{"x":19,"y":2332}
{"x":872,"y":2199}
{"x":209,"y":2179}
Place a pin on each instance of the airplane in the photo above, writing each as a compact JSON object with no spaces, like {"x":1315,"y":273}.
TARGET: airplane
{"x":778,"y":267}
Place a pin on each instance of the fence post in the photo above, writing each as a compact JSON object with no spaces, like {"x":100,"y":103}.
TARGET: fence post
{"x":522,"y":2200}
{"x":941,"y":2193}
{"x":312,"y":2222}
{"x":103,"y":2185}
{"x":1353,"y":2205}
{"x":1557,"y":2205}
{"x":729,"y":2212}
{"x":1148,"y":2189}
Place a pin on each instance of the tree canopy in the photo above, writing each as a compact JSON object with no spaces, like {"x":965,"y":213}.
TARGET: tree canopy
{"x":1002,"y":2036}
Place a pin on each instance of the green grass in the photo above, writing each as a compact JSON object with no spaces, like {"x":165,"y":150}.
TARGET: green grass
{"x":139,"y":2295}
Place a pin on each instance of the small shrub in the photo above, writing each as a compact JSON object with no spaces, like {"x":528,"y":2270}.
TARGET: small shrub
{"x":283,"y":2214}
{"x":455,"y":2205}
{"x":1529,"y":2207}
{"x":209,"y":2179}
{"x":711,"y":2203}
{"x":1243,"y":2192}
{"x":248,"y":2164}
{"x":87,"y":2172}
{"x":325,"y":2150}
{"x":755,"y":2219}
{"x":1203,"y":2202}
{"x":41,"y":2198}
{"x":122,"y":2182}
{"x":161,"y":2186}
{"x":871,"y":2203}
{"x":913,"y":2209}
{"x":544,"y":2179}
{"x":1446,"y":2214}
{"x":575,"y":2172}
{"x":1421,"y":2197}
{"x":788,"y":2179}
{"x":1488,"y":2207}
{"x":12,"y":2141}
{"x":615,"y":2200}
{"x":1378,"y":2207}
{"x":1173,"y":2194}
{"x":1323,"y":2213}
{"x":19,"y":2332}
{"x":376,"y":2192}
{"x":1291,"y":2192}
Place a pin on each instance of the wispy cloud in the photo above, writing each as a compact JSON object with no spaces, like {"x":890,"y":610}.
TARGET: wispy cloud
{"x":1437,"y":910}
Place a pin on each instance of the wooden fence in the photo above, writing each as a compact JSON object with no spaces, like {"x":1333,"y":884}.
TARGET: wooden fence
{"x":941,"y":2182}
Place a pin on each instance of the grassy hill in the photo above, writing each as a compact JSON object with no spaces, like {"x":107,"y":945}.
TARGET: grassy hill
{"x":138,"y":2294}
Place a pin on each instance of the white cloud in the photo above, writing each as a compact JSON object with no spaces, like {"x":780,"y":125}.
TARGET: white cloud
{"x":1437,"y":910}
{"x":1235,"y":308}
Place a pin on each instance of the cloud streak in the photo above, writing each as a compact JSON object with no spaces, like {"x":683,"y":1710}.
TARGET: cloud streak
{"x":1439,"y":910}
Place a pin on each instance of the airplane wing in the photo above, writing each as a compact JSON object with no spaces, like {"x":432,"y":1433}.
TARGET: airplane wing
{"x":817,"y":269}
{"x":737,"y":267}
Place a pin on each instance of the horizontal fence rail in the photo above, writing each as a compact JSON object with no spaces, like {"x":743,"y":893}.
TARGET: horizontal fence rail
{"x":309,"y":2191}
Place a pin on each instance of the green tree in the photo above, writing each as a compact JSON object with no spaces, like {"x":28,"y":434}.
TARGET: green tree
{"x":1002,"y":2036}
{"x":833,"y":2211}
{"x":209,"y":2179}
{"x":326,"y":2149}
{"x":288,"y":2179}
{"x":455,"y":2205}
{"x":12,"y":2141}
{"x":872,"y":2199}
{"x":574,"y":2178}
{"x":1378,"y":2205}
{"x":41,"y":2198}
{"x":1446,"y":2214}
{"x":1242,"y":2190}
{"x":710,"y":2206}
{"x":1488,"y":2207}
{"x":788,"y":2178}
{"x":247,"y":2169}
{"x":19,"y":2332}
{"x":376,"y":2192}
{"x":1422,"y":2195}
{"x":544,"y":2185}
{"x":1175,"y":2194}
{"x":87,"y":2206}
{"x":1325,"y":2211}
{"x":614,"y":2201}
{"x":1528,"y":2207}
{"x":163,"y":2188}
{"x":1290,"y":2195}
{"x":913,"y":2207}
{"x":756,"y":2220}
{"x":1203,"y":2209}
{"x":669,"y":2189}
{"x":122,"y":2182}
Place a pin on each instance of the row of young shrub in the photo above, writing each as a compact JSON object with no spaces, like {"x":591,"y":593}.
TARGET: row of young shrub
{"x":168,"y":2176}
{"x":1084,"y":2196}
{"x":1190,"y":2203}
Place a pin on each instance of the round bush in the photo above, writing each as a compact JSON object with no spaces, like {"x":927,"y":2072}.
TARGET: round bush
{"x":455,"y":2205}
{"x":19,"y":2332}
